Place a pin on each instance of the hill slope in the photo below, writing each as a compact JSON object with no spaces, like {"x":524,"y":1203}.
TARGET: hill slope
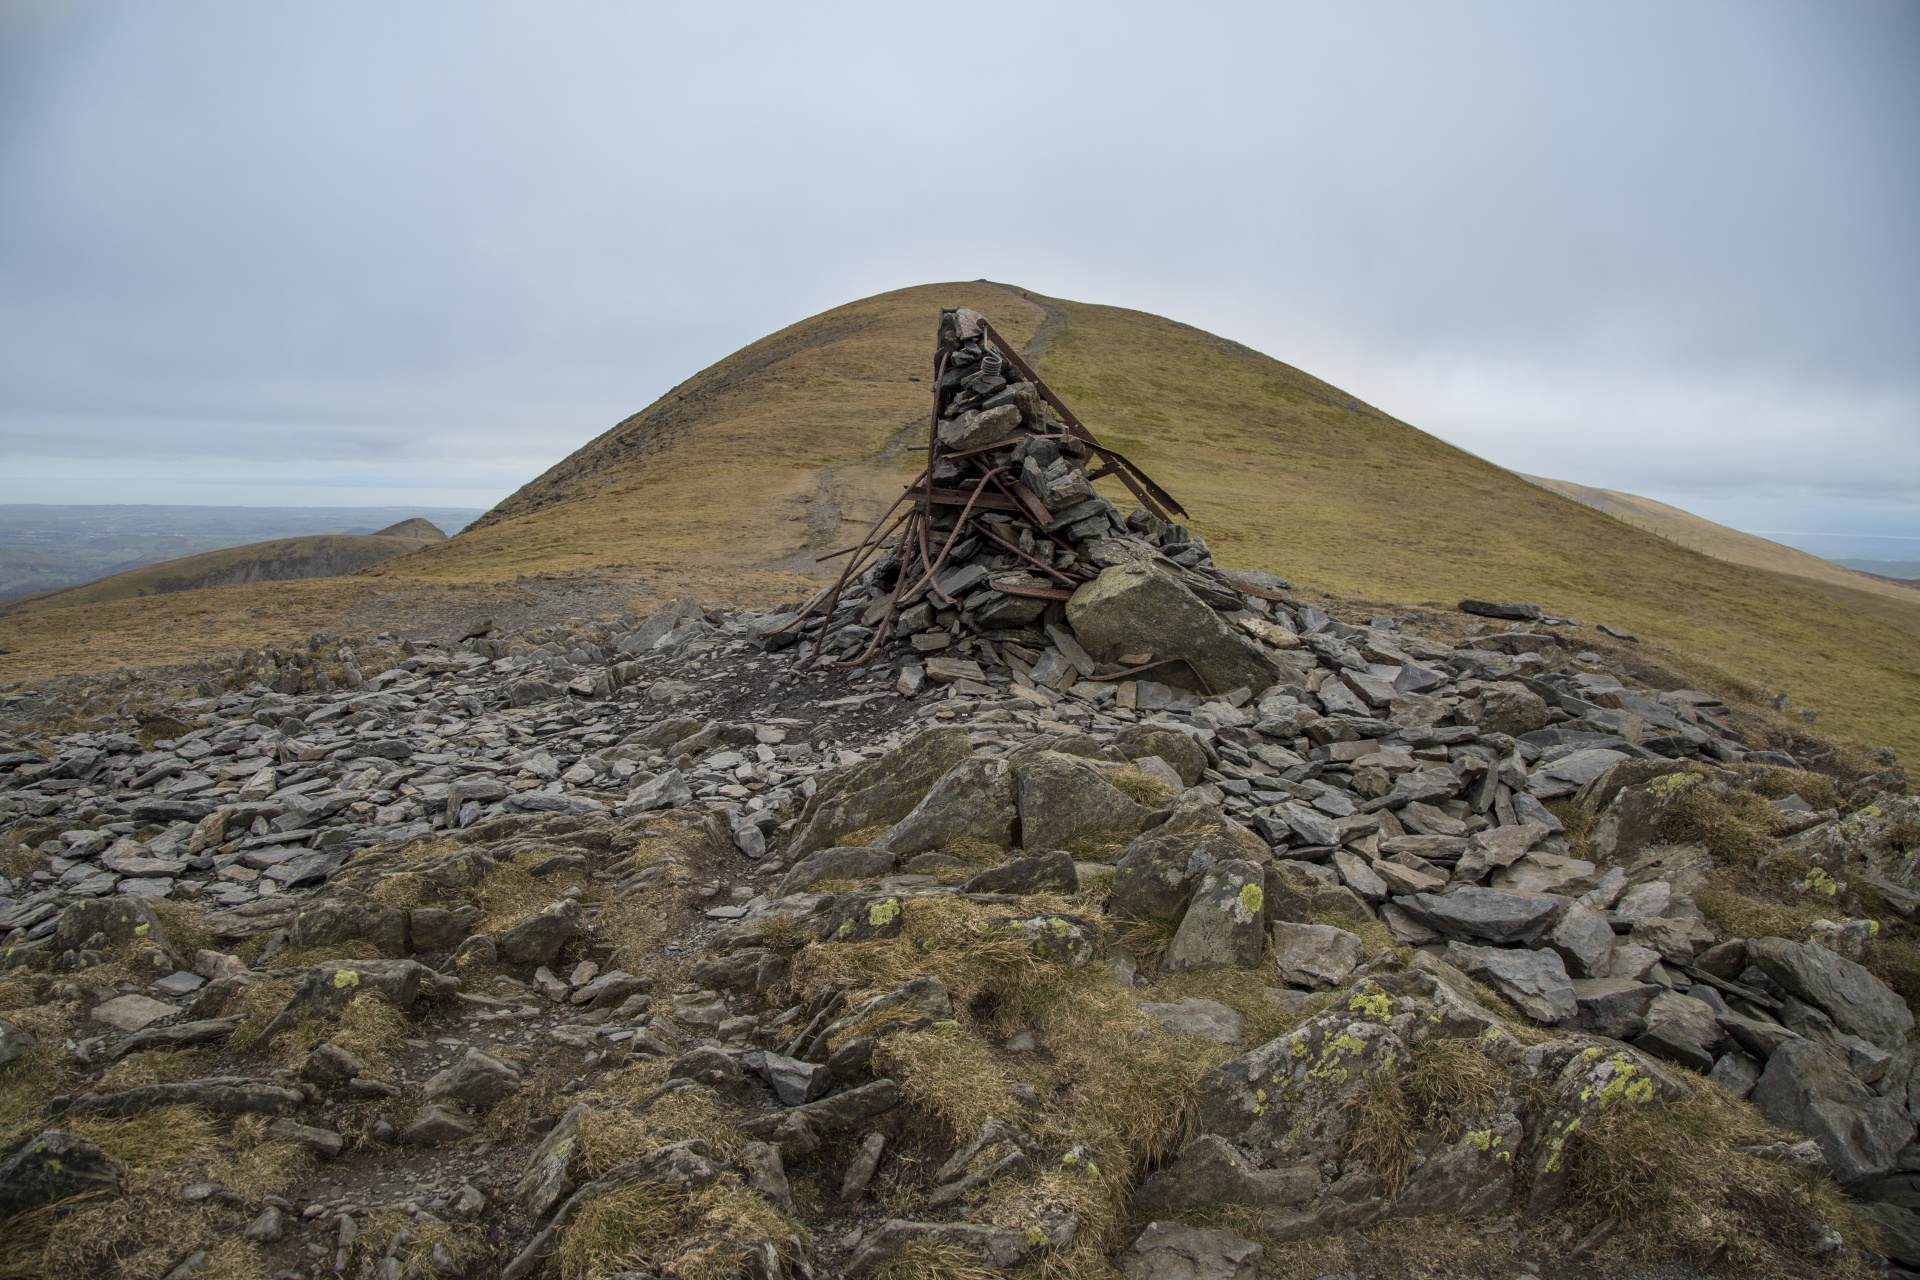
{"x":725,"y":486}
{"x":319,"y":556}
{"x":1720,"y":542}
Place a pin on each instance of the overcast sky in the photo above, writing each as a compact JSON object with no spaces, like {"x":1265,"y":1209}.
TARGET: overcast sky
{"x":339,"y":253}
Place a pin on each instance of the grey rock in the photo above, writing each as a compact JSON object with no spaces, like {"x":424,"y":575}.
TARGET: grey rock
{"x":712,"y":1067}
{"x":327,"y":988}
{"x":55,"y":1166}
{"x":794,"y":1082}
{"x":1511,"y":708}
{"x":878,"y":792}
{"x":1809,"y":1089}
{"x":860,"y":1171}
{"x":1065,"y":803}
{"x":1222,"y":925}
{"x":840,"y":863}
{"x":330,"y":1066}
{"x":1681,"y":1029}
{"x":1536,"y":981}
{"x":1495,"y":848}
{"x":1170,"y":1251}
{"x":1180,"y":750}
{"x":222,"y":1095}
{"x":1048,"y":872}
{"x":1194,"y":1016}
{"x":1735,"y":1072}
{"x":1153,"y":877}
{"x":1136,"y":608}
{"x":270,"y":1227}
{"x":123,"y":920}
{"x":668,"y":790}
{"x":14,"y":1043}
{"x":552,"y":1170}
{"x":1542,"y":872}
{"x":440,"y":928}
{"x":437,"y":1124}
{"x":476,"y":1081}
{"x":1613,"y":1007}
{"x":1315,"y":956}
{"x":973,"y":801}
{"x":1858,"y":1002}
{"x":1358,"y":876}
{"x":1210,"y":1173}
{"x":326,"y":1142}
{"x":537,"y":940}
{"x":1469,"y":911}
{"x":1584,"y":940}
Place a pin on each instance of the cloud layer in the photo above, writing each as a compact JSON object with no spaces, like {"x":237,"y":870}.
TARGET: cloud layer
{"x":354,"y":252}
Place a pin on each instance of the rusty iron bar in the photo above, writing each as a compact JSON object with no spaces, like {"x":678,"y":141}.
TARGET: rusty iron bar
{"x":1164,"y":662}
{"x":1033,"y":560}
{"x":1151,"y":495}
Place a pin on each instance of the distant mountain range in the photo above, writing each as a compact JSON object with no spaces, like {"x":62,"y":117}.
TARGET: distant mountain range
{"x":47,"y":547}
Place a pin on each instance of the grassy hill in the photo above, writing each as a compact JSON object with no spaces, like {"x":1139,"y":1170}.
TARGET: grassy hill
{"x":725,"y":486}
{"x":282,"y":559}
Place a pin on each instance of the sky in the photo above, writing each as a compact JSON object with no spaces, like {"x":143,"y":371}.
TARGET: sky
{"x":381,"y":253}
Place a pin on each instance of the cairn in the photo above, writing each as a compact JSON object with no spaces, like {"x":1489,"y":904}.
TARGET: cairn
{"x":1002,"y":539}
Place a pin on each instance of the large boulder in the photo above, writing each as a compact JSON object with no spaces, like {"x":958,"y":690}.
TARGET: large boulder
{"x":972,"y":803}
{"x":1222,"y":925}
{"x":1859,"y":1003}
{"x":1065,"y":803}
{"x":1135,"y":608}
{"x":878,"y":793}
{"x":1809,"y":1089}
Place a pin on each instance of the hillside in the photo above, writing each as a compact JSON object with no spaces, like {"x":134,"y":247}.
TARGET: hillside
{"x":319,"y":556}
{"x":1722,"y":543}
{"x":724,"y":486}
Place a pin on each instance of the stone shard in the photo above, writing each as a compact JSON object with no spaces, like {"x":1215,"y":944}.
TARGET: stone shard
{"x":1315,"y":955}
{"x":1536,"y":981}
{"x":1858,"y":1002}
{"x":1469,"y":911}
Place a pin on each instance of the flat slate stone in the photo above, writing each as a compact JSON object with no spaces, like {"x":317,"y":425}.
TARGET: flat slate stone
{"x":132,"y":1013}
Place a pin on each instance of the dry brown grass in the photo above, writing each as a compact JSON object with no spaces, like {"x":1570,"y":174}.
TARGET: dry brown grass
{"x":1672,"y":1175}
{"x":1445,"y":1084}
{"x":149,"y":1229}
{"x":1736,"y":827}
{"x":692,"y":1235}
